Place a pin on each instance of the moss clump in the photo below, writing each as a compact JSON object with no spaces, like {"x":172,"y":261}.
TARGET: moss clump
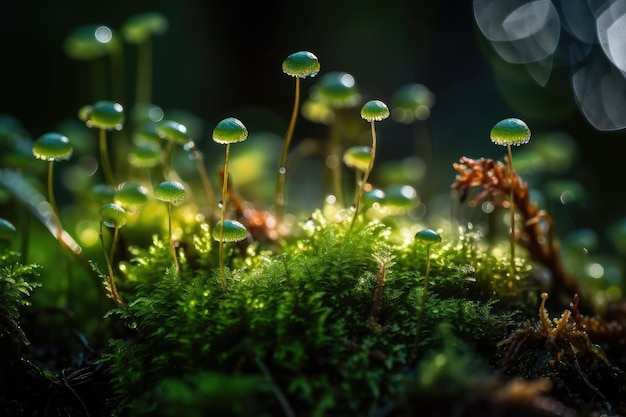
{"x":307,"y":322}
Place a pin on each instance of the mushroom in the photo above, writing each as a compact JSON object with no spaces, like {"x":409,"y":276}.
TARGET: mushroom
{"x":103,"y":115}
{"x":170,"y":192}
{"x":372,"y":111}
{"x":52,"y":147}
{"x":509,"y":132}
{"x":228,"y":131}
{"x":299,"y":65}
{"x":114,"y":216}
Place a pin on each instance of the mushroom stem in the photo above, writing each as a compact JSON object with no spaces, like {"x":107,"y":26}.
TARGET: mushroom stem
{"x":512,"y":210}
{"x":169,"y":231}
{"x":357,"y":201}
{"x":282,"y":167}
{"x":53,"y":205}
{"x":104,"y":157}
{"x":113,"y":293}
{"x":420,"y":316}
{"x":222,"y":216}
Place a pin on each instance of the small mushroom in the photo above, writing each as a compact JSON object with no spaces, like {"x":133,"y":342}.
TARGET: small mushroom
{"x":113,"y":216}
{"x":372,"y":111}
{"x":428,"y":237}
{"x":53,"y":147}
{"x":299,"y":65}
{"x":171,"y":192}
{"x":509,"y":132}
{"x":227,"y":131}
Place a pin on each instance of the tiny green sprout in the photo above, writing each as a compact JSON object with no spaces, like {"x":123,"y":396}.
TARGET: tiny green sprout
{"x":113,"y":216}
{"x":227,"y":131}
{"x":103,"y":115}
{"x":53,"y":147}
{"x":233,"y":231}
{"x":372,"y":111}
{"x":299,"y":65}
{"x":171,"y":192}
{"x":509,"y":132}
{"x":7,"y":230}
{"x":428,"y":237}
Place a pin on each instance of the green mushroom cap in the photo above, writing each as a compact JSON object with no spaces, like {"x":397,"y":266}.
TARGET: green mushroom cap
{"x":106,"y":115}
{"x":400,"y":195}
{"x":358,"y":157}
{"x":510,"y":131}
{"x":428,"y":236}
{"x":52,"y":147}
{"x":337,"y":88}
{"x":170,"y":191}
{"x":301,"y":64}
{"x":145,"y":155}
{"x":84,"y":113}
{"x":374,"y":110}
{"x":233,"y":231}
{"x":173,"y":131}
{"x":102,"y":192}
{"x":130,"y":194}
{"x":7,"y":230}
{"x":112,"y":215}
{"x":230,"y":130}
{"x":89,"y":42}
{"x":375,"y":195}
{"x":140,"y":27}
{"x":412,"y":101}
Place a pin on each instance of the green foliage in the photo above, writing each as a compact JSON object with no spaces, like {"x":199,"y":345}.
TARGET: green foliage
{"x":16,"y":285}
{"x":303,"y":321}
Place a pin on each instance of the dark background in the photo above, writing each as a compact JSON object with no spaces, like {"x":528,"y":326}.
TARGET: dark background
{"x":218,"y":59}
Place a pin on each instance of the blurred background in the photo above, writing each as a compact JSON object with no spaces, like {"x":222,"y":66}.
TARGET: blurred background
{"x":223,"y":58}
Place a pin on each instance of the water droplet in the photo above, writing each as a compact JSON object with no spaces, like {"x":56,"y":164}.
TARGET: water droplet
{"x":282,"y":170}
{"x":353,"y":207}
{"x":220,"y":204}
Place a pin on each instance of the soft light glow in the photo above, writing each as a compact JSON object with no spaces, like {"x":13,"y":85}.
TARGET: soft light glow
{"x":103,"y":34}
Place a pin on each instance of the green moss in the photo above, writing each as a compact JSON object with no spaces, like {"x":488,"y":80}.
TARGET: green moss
{"x":307,"y":315}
